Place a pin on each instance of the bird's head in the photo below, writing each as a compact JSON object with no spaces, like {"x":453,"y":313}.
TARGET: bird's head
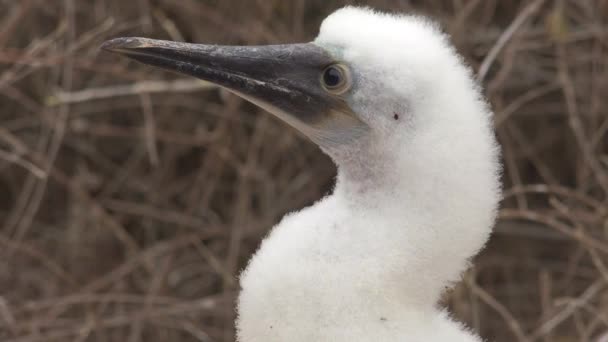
{"x":390,"y":100}
{"x":369,"y":82}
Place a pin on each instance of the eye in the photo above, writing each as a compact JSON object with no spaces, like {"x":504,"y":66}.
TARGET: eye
{"x":336,"y":79}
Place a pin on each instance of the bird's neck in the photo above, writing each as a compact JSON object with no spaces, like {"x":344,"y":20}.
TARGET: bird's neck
{"x":431,"y":211}
{"x":362,"y":180}
{"x":368,"y":174}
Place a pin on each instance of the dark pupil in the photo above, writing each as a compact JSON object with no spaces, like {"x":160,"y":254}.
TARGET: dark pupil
{"x":332,"y":77}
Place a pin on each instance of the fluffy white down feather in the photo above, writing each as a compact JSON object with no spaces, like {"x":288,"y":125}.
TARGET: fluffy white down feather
{"x":414,"y":200}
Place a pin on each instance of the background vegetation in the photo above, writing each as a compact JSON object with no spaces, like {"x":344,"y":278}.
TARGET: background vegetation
{"x":130,"y":198}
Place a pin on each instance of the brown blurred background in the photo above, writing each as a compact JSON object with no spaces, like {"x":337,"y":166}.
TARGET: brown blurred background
{"x":130,"y":198}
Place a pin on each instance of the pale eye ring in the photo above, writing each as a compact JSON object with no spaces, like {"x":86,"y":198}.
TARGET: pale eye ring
{"x":336,"y":79}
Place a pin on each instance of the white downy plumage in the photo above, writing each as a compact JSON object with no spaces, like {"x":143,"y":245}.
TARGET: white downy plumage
{"x":415,"y":198}
{"x":391,"y":102}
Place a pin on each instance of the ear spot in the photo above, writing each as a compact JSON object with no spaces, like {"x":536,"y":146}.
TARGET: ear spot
{"x":396,"y":116}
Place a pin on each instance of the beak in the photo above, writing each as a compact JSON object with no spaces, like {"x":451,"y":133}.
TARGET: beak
{"x":283,"y":79}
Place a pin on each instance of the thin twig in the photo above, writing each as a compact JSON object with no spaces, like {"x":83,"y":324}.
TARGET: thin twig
{"x":504,"y":38}
{"x":138,"y":88}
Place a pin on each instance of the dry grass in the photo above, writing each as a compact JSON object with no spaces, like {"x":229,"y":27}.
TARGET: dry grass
{"x":129,"y":200}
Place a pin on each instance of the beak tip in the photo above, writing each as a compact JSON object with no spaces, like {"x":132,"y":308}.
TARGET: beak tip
{"x":121,"y":44}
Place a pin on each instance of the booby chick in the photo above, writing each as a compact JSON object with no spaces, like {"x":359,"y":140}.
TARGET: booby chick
{"x":388,"y":98}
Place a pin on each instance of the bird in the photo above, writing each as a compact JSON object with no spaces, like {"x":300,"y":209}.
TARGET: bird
{"x":390,"y":100}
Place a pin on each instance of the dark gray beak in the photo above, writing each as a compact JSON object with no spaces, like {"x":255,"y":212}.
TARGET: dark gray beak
{"x":283,"y":79}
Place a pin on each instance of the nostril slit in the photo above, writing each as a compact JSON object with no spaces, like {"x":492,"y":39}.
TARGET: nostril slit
{"x":395,"y":116}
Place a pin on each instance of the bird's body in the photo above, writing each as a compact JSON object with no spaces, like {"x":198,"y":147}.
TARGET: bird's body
{"x":324,"y":275}
{"x":389,"y":99}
